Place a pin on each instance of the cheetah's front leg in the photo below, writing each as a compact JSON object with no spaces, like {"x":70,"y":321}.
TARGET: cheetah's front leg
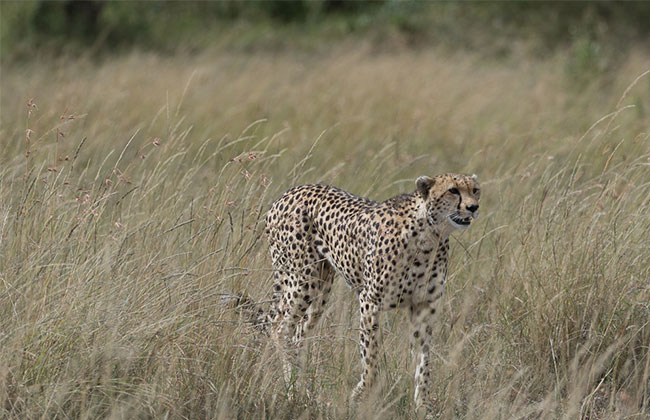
{"x":368,"y":343}
{"x":422,"y":321}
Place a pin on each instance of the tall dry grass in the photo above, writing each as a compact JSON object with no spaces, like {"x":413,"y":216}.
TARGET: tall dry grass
{"x":132,"y":199}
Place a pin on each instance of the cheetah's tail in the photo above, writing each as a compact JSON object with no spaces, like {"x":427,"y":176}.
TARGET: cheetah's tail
{"x":251,"y":311}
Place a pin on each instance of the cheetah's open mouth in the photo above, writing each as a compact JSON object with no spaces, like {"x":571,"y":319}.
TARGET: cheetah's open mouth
{"x":457,"y":220}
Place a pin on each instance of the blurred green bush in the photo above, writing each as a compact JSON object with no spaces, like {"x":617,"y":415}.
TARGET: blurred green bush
{"x":168,"y":25}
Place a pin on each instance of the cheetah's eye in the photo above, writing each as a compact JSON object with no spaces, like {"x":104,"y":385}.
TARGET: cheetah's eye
{"x":475,"y":191}
{"x":454,"y":190}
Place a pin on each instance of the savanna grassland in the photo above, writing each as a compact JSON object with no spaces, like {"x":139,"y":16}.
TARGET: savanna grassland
{"x":133,"y":190}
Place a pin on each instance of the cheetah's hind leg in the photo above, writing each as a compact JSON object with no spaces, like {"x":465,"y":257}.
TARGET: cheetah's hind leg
{"x":300,"y":298}
{"x":319,"y":290}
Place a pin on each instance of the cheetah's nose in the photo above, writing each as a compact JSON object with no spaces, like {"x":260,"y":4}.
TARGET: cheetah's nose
{"x":472,"y":208}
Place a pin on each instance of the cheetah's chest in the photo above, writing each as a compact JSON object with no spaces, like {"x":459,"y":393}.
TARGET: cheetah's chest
{"x":419,"y":278}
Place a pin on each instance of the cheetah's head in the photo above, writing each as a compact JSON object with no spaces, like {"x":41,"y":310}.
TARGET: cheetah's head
{"x":450,"y":199}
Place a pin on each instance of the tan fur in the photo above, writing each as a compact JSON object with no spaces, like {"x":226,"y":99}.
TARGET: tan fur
{"x":392,"y":253}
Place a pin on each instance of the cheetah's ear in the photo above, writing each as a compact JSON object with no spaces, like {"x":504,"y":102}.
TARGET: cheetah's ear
{"x":424,"y":184}
{"x":474,"y":177}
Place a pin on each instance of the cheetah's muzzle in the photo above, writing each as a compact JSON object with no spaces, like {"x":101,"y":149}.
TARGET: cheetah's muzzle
{"x":456,"y":219}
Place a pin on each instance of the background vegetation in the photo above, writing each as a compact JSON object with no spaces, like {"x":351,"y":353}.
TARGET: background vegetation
{"x":97,"y":26}
{"x":139,"y":156}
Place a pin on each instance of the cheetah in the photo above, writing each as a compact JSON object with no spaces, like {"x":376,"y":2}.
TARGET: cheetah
{"x":392,"y":253}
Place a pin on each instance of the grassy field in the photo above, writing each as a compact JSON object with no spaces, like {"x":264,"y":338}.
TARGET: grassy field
{"x":133,"y":191}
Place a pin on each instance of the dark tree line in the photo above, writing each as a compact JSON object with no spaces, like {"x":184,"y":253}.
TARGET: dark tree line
{"x":132,"y":22}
